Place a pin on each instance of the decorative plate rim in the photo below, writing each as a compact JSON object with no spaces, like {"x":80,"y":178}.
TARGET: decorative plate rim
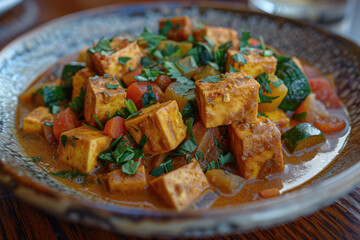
{"x":349,"y":178}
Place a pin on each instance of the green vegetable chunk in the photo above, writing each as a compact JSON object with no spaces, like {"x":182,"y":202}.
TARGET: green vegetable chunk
{"x":304,"y":135}
{"x":296,"y":82}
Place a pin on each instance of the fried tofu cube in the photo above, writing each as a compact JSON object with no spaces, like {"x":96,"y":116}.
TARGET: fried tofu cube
{"x":180,"y":187}
{"x":233,"y":99}
{"x":181,"y":28}
{"x":256,"y":63}
{"x":279,"y":118}
{"x":80,"y":81}
{"x":110,"y":64}
{"x":103,"y":97}
{"x":82,"y":148}
{"x":34,"y":121}
{"x":224,"y":181}
{"x":162,"y":124}
{"x":218,"y":35}
{"x":125,"y":183}
{"x":257,"y":148}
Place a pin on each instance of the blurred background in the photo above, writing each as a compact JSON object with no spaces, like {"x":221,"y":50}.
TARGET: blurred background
{"x":341,"y":16}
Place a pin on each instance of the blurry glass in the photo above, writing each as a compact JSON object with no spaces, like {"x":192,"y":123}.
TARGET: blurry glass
{"x":323,"y":11}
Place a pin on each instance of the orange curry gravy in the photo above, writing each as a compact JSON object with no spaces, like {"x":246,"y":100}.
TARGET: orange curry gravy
{"x":300,"y":168}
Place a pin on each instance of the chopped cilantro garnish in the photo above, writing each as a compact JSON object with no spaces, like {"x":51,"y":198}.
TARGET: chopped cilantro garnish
{"x":54,"y":108}
{"x":173,"y":72}
{"x":99,"y":122}
{"x":232,"y":70}
{"x":300,"y":116}
{"x":70,"y":70}
{"x":163,"y":168}
{"x":145,"y":61}
{"x":63,"y":140}
{"x":148,"y":74}
{"x":153,"y":40}
{"x":87,"y":125}
{"x":130,"y":167}
{"x":239,"y":57}
{"x":49,"y":124}
{"x":78,"y":102}
{"x":198,"y":155}
{"x":52,"y":94}
{"x":67,"y":174}
{"x":94,"y":77}
{"x":111,"y":86}
{"x":190,"y":145}
{"x":245,"y":37}
{"x":149,"y":97}
{"x":103,"y":46}
{"x":213,"y":78}
{"x":72,"y":140}
{"x":36,"y":159}
{"x":166,"y":28}
{"x":277,"y":83}
{"x":106,"y":75}
{"x":266,"y":52}
{"x":123,"y":60}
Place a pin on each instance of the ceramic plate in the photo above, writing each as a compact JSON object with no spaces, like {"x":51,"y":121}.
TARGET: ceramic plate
{"x":26,"y":57}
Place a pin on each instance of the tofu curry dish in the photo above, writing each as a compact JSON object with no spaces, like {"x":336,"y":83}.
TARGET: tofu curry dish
{"x":189,"y":118}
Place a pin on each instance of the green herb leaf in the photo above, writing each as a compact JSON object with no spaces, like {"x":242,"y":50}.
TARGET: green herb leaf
{"x":189,"y":108}
{"x":111,"y":86}
{"x":106,"y":75}
{"x":277,"y":83}
{"x":145,"y":61}
{"x":94,"y":77}
{"x":221,"y":146}
{"x":123,"y":60}
{"x":213,"y":78}
{"x":163,"y":168}
{"x":239,"y":57}
{"x":220,"y":56}
{"x":78,"y":102}
{"x":265,"y":99}
{"x":232,"y":70}
{"x":70,"y":70}
{"x":130,"y":167}
{"x":49,"y":124}
{"x":87,"y":125}
{"x":227,"y":158}
{"x":266,"y":52}
{"x":52,"y":95}
{"x":54,"y":108}
{"x":198,"y":155}
{"x":149,"y":98}
{"x":72,"y":140}
{"x":166,"y":28}
{"x":244,"y":41}
{"x":264,"y":82}
{"x":35,"y":159}
{"x":103,"y":46}
{"x":98,"y":122}
{"x":173,"y":72}
{"x":67,"y":174}
{"x":63,"y":139}
{"x":300,"y":116}
{"x":190,"y":145}
{"x":148,"y":75}
{"x":153,"y":40}
{"x":121,"y":83}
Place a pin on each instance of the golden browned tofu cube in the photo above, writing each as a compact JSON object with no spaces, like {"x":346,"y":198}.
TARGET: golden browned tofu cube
{"x":257,"y":148}
{"x":224,"y":181}
{"x":255,"y":63}
{"x":125,"y":183}
{"x":80,"y":81}
{"x":35,"y":120}
{"x":82,"y":148}
{"x":218,"y":35}
{"x":110,"y":64}
{"x":181,"y":28}
{"x":103,"y":97}
{"x":162,"y":124}
{"x":180,"y":187}
{"x":233,"y":99}
{"x":279,"y":118}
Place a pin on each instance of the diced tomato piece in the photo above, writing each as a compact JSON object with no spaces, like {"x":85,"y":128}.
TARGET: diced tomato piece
{"x":137,"y":90}
{"x":64,"y":121}
{"x":330,"y":125}
{"x":115,"y":127}
{"x":254,"y":42}
{"x":163,"y":81}
{"x":269,"y":193}
{"x":319,"y":116}
{"x":129,"y":78}
{"x":324,"y":92}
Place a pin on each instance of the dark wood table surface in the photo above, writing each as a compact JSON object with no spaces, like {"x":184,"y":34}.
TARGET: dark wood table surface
{"x":19,"y":220}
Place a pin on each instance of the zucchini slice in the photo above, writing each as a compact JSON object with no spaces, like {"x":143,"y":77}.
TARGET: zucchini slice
{"x":304,"y":135}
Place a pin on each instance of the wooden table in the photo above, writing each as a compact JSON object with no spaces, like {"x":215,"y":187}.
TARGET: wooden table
{"x":18,"y":220}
